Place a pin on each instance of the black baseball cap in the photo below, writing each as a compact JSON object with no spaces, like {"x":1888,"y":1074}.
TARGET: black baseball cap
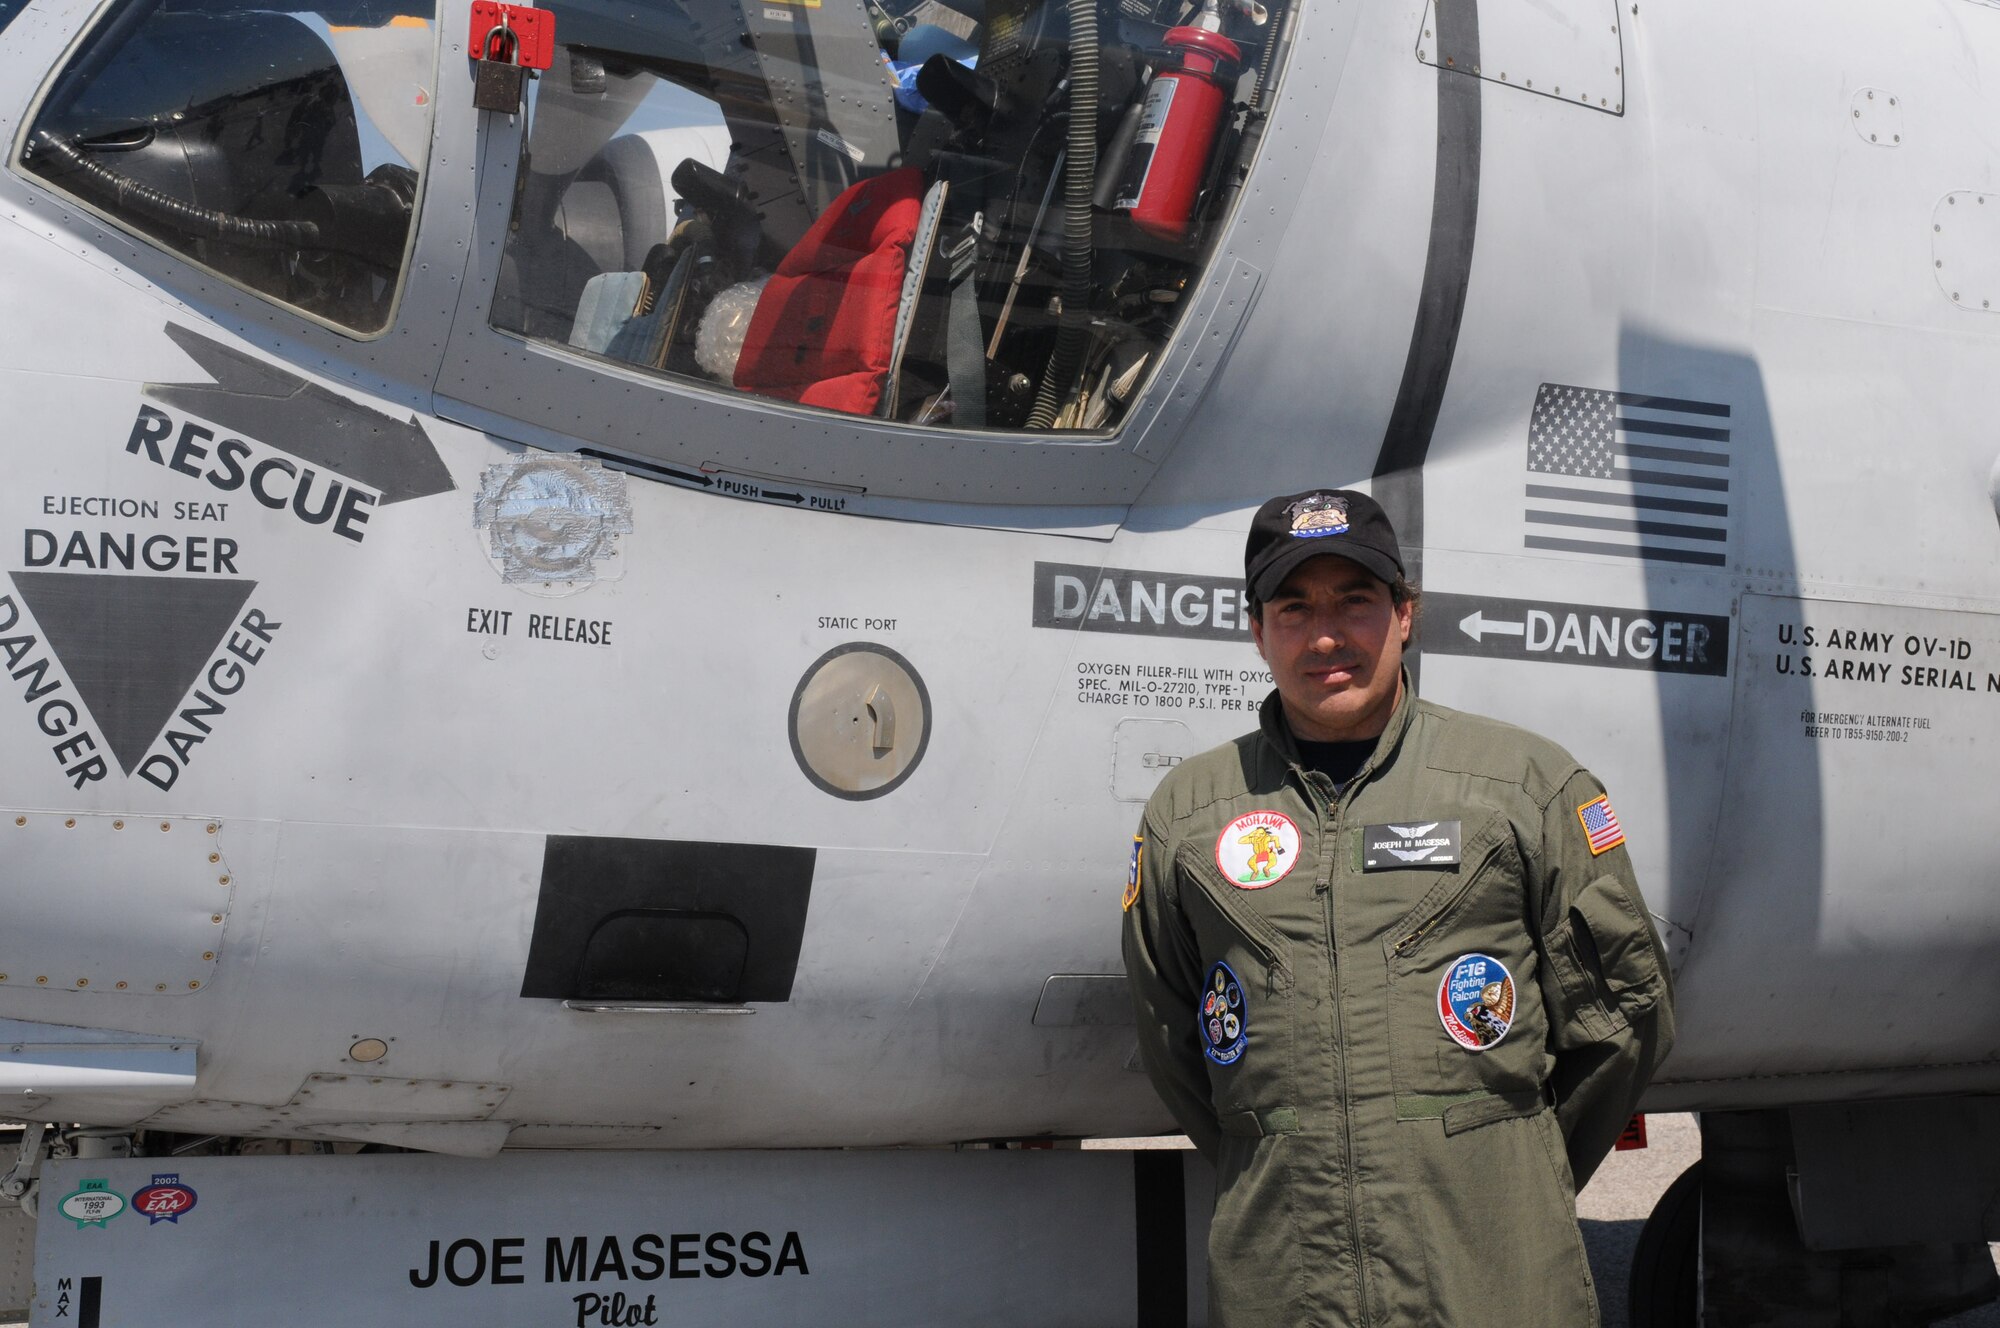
{"x":1296,"y":526}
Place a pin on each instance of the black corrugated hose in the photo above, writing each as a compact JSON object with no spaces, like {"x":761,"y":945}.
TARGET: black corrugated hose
{"x":1079,"y":182}
{"x":150,"y":203}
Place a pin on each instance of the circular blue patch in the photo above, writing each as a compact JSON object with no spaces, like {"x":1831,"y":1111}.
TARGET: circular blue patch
{"x":1476,"y":1001}
{"x":1223,"y":1019}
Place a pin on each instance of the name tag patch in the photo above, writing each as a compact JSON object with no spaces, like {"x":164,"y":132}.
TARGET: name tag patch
{"x":1410,"y":843}
{"x":1225,"y":1025}
{"x":1476,"y":1001}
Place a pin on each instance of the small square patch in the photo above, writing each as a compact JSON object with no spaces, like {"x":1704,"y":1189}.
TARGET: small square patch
{"x":1600,"y":825}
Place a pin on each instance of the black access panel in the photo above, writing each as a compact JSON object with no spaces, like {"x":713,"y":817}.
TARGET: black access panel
{"x":668,"y":920}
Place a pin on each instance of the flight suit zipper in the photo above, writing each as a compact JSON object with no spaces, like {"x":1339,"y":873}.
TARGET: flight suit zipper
{"x":1326,"y":803}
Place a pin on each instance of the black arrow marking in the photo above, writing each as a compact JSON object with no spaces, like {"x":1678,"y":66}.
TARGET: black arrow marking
{"x":285,"y":411}
{"x":788,"y":497}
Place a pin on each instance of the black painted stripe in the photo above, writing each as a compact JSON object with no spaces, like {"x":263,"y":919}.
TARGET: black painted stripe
{"x":1649,"y":552}
{"x":89,"y":1302}
{"x":1406,"y":442}
{"x":1669,"y":528}
{"x":1642,"y":501}
{"x":1671,"y":430}
{"x":1647,"y":452}
{"x":1680,"y":404}
{"x":1159,"y":1220}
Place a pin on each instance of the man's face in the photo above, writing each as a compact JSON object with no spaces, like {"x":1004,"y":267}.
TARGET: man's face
{"x":1334,"y":636}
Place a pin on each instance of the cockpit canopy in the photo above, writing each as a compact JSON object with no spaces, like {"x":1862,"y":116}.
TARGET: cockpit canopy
{"x":884,"y":208}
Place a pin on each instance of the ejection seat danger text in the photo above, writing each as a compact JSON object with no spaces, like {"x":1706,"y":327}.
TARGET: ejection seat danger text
{"x":1657,"y":640}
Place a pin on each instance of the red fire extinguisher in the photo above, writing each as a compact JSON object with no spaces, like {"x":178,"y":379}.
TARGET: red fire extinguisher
{"x":1185,"y":105}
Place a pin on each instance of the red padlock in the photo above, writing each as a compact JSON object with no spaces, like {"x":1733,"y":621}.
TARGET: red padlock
{"x":534,"y":29}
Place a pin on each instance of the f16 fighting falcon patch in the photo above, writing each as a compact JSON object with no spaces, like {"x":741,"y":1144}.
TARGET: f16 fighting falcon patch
{"x":1132,"y":880}
{"x":1600,"y":825}
{"x":1225,"y":1026}
{"x":1257,"y":849}
{"x":1411,"y":844}
{"x":1476,"y":1001}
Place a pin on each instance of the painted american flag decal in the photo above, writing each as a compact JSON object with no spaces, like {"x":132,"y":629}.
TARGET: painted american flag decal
{"x":1628,"y":475}
{"x":1600,"y":825}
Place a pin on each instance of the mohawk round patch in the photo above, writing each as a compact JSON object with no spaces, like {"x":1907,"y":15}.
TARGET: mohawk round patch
{"x":1476,"y":1001}
{"x":1225,"y":1023}
{"x":1257,"y":849}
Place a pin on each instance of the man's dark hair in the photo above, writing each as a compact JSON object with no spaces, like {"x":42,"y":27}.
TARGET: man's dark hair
{"x":1400,"y":592}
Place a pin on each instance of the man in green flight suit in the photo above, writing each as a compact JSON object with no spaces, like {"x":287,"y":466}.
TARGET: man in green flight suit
{"x":1392,"y":972}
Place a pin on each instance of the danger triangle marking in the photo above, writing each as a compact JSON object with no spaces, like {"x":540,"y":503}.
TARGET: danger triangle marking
{"x":131,"y":645}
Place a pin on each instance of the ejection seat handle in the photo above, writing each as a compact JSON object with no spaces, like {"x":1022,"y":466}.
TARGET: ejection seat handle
{"x":882,"y":713}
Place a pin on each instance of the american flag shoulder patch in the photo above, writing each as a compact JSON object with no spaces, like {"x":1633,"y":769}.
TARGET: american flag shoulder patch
{"x":1600,"y":825}
{"x":1132,"y":878}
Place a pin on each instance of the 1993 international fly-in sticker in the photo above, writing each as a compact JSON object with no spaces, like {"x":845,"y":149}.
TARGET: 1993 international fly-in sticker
{"x":1476,"y":1001}
{"x":1225,"y":1027}
{"x":92,"y":1203}
{"x":1257,"y":849}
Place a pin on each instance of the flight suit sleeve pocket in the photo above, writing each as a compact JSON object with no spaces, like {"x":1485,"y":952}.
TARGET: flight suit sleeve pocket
{"x":1606,"y":961}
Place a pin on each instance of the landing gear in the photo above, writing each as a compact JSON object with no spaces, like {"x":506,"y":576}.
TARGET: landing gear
{"x":1723,"y":1246}
{"x":1666,"y":1263}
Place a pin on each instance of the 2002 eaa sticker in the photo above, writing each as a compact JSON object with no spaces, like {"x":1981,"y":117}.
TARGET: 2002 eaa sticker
{"x":165,"y":1200}
{"x":1257,"y":849}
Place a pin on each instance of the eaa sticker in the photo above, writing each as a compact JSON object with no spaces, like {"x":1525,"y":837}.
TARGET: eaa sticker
{"x":1257,"y":849}
{"x":1476,"y":1001}
{"x":1318,"y":514}
{"x":1132,"y":879}
{"x":164,"y":1200}
{"x":92,"y":1204}
{"x":1225,"y":1022}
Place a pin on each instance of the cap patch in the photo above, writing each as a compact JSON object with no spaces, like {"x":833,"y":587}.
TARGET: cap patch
{"x":1225,"y":1024}
{"x":1257,"y":849}
{"x":1318,"y":514}
{"x":1132,"y":879}
{"x":1600,"y":825}
{"x":1476,"y":1001}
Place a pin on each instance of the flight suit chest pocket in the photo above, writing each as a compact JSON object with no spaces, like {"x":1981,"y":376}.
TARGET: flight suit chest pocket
{"x":1246,"y":1013}
{"x":1464,"y":1008}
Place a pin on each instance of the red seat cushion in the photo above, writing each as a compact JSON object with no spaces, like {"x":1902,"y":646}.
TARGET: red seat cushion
{"x":826,"y":322}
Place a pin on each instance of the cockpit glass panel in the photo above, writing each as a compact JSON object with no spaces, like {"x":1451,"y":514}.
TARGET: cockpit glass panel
{"x":886,"y":208}
{"x":278,"y":144}
{"x":9,"y":9}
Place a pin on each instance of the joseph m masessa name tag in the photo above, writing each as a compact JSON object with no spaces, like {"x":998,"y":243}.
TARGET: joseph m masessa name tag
{"x":1409,"y":844}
